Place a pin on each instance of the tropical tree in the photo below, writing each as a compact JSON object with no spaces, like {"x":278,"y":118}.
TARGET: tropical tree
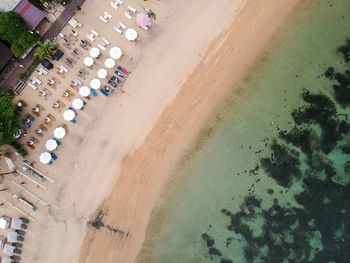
{"x":9,"y":123}
{"x":151,"y":14}
{"x":45,"y":49}
{"x":15,"y":33}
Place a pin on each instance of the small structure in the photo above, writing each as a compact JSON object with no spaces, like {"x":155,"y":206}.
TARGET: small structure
{"x":30,"y":14}
{"x":5,"y":222}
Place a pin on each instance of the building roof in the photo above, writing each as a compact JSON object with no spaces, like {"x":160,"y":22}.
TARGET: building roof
{"x":8,"y":5}
{"x":5,"y":55}
{"x":30,"y":14}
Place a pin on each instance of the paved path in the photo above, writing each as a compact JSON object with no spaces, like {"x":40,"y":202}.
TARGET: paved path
{"x":56,"y":27}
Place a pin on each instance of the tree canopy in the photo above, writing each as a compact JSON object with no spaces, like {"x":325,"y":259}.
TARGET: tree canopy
{"x":45,"y":49}
{"x":8,"y":119}
{"x":14,"y":32}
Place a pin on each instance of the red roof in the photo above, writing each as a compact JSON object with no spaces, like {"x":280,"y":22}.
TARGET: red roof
{"x":31,"y":15}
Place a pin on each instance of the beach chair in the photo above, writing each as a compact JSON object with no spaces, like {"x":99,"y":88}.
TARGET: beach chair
{"x":104,"y":92}
{"x":54,"y":156}
{"x":120,"y":2}
{"x":90,"y":37}
{"x":121,"y":25}
{"x":128,"y":16}
{"x":121,"y":75}
{"x":114,"y":5}
{"x":101,"y":47}
{"x":93,"y":92}
{"x":116,"y":29}
{"x":104,"y":20}
{"x":95,"y":33}
{"x":105,"y":41}
{"x":107,"y":15}
{"x":32,"y":86}
{"x":123,"y":70}
{"x":132,"y":9}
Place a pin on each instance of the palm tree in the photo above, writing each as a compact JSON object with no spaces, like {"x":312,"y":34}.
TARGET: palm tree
{"x":151,"y":14}
{"x":45,"y":49}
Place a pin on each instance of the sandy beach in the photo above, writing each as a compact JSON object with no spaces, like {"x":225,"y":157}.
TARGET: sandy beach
{"x":115,"y":163}
{"x":222,"y":61}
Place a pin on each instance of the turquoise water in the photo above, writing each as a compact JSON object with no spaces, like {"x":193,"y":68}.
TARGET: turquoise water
{"x":231,"y":200}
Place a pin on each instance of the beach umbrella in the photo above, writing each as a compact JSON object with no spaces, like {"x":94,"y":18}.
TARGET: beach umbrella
{"x":68,"y":115}
{"x":84,"y":91}
{"x":131,"y":34}
{"x":95,"y":84}
{"x":102,"y":73}
{"x":5,"y":259}
{"x":51,"y":145}
{"x":78,"y":104}
{"x":94,"y":52}
{"x":59,"y":132}
{"x":109,"y":63}
{"x":88,"y":61}
{"x":115,"y":52}
{"x":143,"y":20}
{"x":45,"y":158}
{"x":8,"y":250}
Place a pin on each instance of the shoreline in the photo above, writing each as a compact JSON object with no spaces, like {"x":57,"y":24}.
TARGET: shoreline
{"x":146,"y":172}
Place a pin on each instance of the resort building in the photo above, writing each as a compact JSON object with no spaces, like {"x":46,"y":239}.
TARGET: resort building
{"x":31,"y":15}
{"x":5,"y":55}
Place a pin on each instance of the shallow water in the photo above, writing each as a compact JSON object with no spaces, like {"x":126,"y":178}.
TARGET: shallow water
{"x":221,"y":172}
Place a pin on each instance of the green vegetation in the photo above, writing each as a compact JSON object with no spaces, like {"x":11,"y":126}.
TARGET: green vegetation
{"x":39,"y":3}
{"x":8,"y":119}
{"x":45,"y":49}
{"x":14,"y":32}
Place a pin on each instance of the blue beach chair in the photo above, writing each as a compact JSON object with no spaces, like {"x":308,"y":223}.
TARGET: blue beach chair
{"x":93,"y":92}
{"x":104,"y":92}
{"x":54,"y":156}
{"x":73,"y":121}
{"x":58,"y":142}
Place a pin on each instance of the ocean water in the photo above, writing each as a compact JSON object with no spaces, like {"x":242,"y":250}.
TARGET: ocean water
{"x":268,"y":180}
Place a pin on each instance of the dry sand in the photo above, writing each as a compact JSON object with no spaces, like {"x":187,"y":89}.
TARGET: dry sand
{"x":120,"y":155}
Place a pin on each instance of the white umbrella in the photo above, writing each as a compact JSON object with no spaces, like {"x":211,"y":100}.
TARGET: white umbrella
{"x":115,"y":52}
{"x":88,"y":61}
{"x":84,"y":91}
{"x":78,"y":103}
{"x":69,"y":115}
{"x":12,"y":236}
{"x":94,"y":52}
{"x":109,"y":63}
{"x":131,"y":34}
{"x":6,"y":259}
{"x":51,"y":145}
{"x":45,"y":158}
{"x":95,"y":84}
{"x":8,"y":250}
{"x":102,"y":73}
{"x":59,"y":132}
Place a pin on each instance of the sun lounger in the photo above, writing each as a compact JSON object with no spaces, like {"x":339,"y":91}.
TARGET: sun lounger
{"x":32,"y":86}
{"x":121,"y":25}
{"x":120,"y":2}
{"x":93,"y":92}
{"x":90,"y":37}
{"x":104,"y":92}
{"x":119,"y":74}
{"x":117,"y":30}
{"x":132,"y":9}
{"x":107,"y":15}
{"x":95,"y":33}
{"x":104,"y":20}
{"x":127,"y":15}
{"x":123,"y":70}
{"x":54,"y":156}
{"x":101,"y":47}
{"x":105,"y":41}
{"x":114,"y":5}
